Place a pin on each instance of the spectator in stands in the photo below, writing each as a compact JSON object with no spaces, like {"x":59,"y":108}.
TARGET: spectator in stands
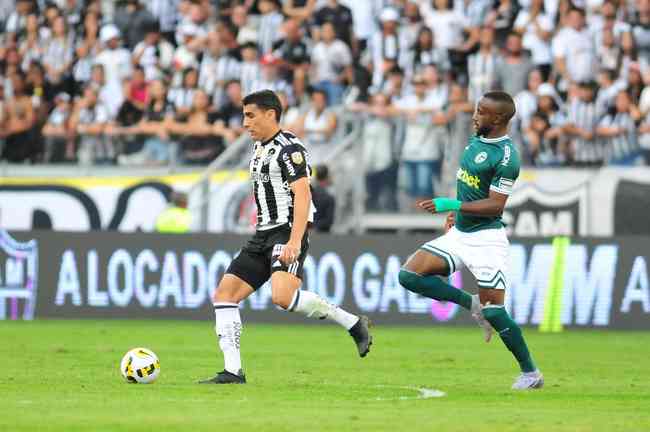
{"x":536,"y":28}
{"x":420,"y":153}
{"x":107,"y":95}
{"x":270,"y":77}
{"x":250,"y":70}
{"x":395,"y":87}
{"x":290,"y":113}
{"x":270,"y":22}
{"x":153,"y":53}
{"x":293,"y":52}
{"x":425,"y":52}
{"x":608,"y":88}
{"x":176,"y":218}
{"x":247,"y":31}
{"x":608,"y":52}
{"x":20,"y":141}
{"x":55,"y":130}
{"x":513,"y":68}
{"x":331,"y":64}
{"x":182,"y":97}
{"x":87,"y":47}
{"x":635,"y":83}
{"x":409,"y":28}
{"x":323,"y":200}
{"x":386,"y":46}
{"x":619,"y":133}
{"x":502,"y":18}
{"x":317,"y":126}
{"x":302,"y":10}
{"x":115,"y":59}
{"x":446,"y":23}
{"x":17,"y":20}
{"x":89,"y":119}
{"x":230,"y":117}
{"x":195,"y":132}
{"x":584,"y":114}
{"x":526,"y":100}
{"x":541,"y":145}
{"x":31,"y":46}
{"x":136,"y":98}
{"x":574,"y":52}
{"x":459,"y":122}
{"x":220,"y":65}
{"x":482,"y":66}
{"x":133,"y":20}
{"x":153,"y":128}
{"x":641,"y":30}
{"x":58,"y":54}
{"x":339,"y":16}
{"x":379,"y":153}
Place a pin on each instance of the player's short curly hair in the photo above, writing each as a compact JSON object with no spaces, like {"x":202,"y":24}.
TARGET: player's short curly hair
{"x":505,"y":100}
{"x":265,"y":100}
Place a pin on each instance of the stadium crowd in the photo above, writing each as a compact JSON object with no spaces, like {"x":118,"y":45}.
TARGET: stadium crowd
{"x":145,"y":82}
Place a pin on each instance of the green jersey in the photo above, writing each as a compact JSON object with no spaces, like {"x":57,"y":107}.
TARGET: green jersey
{"x":486,"y":164}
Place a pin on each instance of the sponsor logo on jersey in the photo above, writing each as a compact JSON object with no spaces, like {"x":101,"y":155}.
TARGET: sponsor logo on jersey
{"x":506,"y":156}
{"x":480,"y":158}
{"x":470,"y":180}
{"x":268,"y":157}
{"x":290,"y":168}
{"x":259,"y":177}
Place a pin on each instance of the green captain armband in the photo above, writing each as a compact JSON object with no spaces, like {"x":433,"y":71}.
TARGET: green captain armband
{"x":446,"y":204}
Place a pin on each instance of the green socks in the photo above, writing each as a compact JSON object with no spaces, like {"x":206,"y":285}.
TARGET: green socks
{"x":510,"y":334}
{"x":435,"y":288}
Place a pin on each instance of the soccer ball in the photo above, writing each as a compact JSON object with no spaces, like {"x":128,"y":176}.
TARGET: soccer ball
{"x":140,"y":365}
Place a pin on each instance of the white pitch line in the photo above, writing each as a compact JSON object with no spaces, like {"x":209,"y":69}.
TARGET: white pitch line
{"x":423,"y":393}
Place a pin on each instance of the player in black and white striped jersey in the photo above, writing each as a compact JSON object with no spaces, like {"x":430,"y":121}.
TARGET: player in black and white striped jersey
{"x":279,"y":171}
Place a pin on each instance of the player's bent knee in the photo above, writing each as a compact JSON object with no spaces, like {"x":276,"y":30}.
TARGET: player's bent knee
{"x":408,"y":280}
{"x":281,"y":299}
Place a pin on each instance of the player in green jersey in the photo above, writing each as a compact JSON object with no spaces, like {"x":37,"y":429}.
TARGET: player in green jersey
{"x":475,"y":236}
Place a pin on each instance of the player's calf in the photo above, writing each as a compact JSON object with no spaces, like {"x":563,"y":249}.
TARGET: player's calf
{"x":434,"y":287}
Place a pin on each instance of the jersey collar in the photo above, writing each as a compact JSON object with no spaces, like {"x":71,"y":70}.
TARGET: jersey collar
{"x":493,"y":140}
{"x":272,"y":138}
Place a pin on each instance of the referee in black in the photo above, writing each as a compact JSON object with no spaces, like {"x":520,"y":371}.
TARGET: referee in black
{"x":279,"y":171}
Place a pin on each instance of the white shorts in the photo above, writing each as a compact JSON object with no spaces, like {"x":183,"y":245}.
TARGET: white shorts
{"x":484,"y":253}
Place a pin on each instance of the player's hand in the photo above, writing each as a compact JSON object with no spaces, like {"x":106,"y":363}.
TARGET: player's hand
{"x":290,"y":253}
{"x":428,"y":205}
{"x":450,"y":221}
{"x":441,"y":204}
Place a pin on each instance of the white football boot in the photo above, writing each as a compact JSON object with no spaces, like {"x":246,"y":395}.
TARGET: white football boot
{"x":529,"y":380}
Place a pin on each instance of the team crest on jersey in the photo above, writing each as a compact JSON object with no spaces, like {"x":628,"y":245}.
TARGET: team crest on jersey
{"x":480,"y":158}
{"x":297,"y":158}
{"x":268,"y":157}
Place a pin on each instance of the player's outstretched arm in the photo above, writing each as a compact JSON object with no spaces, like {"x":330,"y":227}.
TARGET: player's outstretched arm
{"x":493,"y":205}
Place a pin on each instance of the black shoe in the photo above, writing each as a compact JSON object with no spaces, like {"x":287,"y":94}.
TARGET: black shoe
{"x":225,"y":377}
{"x":361,"y":335}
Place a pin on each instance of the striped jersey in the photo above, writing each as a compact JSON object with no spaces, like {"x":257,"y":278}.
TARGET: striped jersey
{"x":276,"y":164}
{"x":625,"y":143}
{"x":586,"y":115}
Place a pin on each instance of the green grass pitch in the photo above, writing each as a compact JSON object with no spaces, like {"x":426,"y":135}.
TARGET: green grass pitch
{"x":63,"y":376}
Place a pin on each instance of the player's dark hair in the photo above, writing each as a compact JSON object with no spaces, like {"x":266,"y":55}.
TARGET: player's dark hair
{"x":265,"y":100}
{"x":505,"y":100}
